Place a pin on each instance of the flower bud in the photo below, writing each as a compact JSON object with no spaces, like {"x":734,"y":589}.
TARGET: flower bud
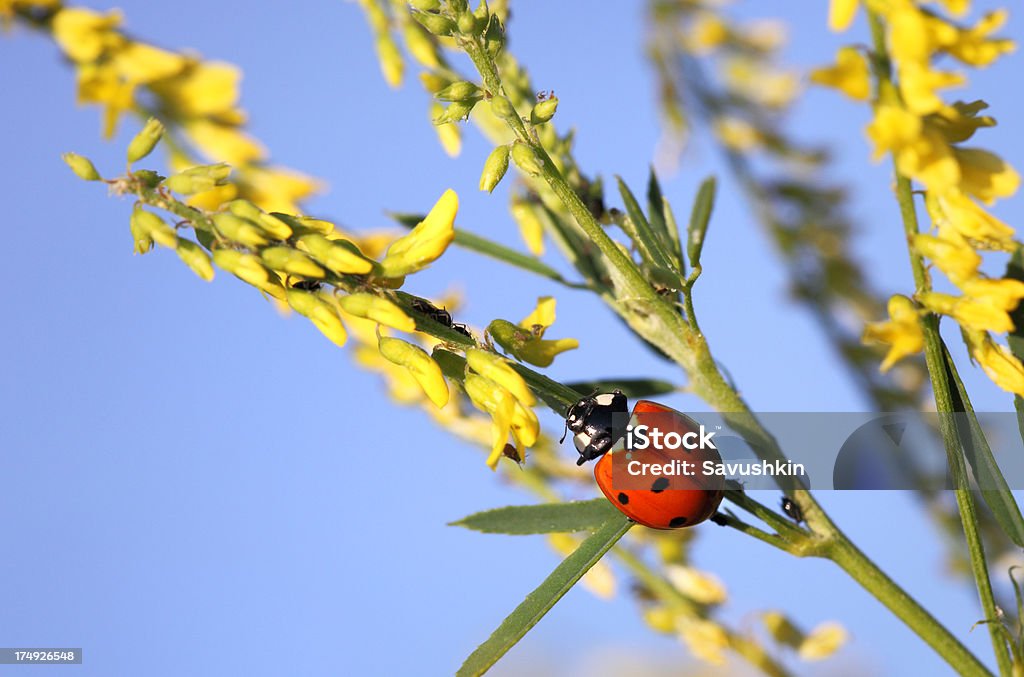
{"x":421,"y":365}
{"x":195,"y":258}
{"x":426,"y":5}
{"x":494,"y":36}
{"x":437,"y":24}
{"x":459,"y":91}
{"x":237,"y":229}
{"x":544,"y":110}
{"x":291,"y":262}
{"x":378,"y":309}
{"x":320,"y":312}
{"x":503,"y":108}
{"x":82,"y":167}
{"x":143,"y":242}
{"x":823,"y":641}
{"x":530,"y":227}
{"x":269,"y":223}
{"x":527,"y":159}
{"x":249,"y":268}
{"x":340,"y":256}
{"x":145,"y":141}
{"x":469,"y":24}
{"x":498,"y":369}
{"x":782,"y":629}
{"x":421,"y":46}
{"x":494,"y":168}
{"x":198,"y":179}
{"x":391,"y":64}
{"x":153,"y":227}
{"x":456,"y":111}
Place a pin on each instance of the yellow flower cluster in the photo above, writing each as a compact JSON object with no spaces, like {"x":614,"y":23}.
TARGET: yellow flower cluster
{"x":925,"y":135}
{"x":197,"y":99}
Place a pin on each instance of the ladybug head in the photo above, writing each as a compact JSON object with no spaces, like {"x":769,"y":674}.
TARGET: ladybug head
{"x":592,"y":422}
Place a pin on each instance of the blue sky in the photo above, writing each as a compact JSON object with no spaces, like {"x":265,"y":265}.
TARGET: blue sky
{"x":193,"y":484}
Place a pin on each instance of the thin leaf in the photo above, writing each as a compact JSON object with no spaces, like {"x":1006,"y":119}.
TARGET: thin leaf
{"x":545,"y":518}
{"x":699,"y":218}
{"x":651,"y":246}
{"x":672,"y":227}
{"x":999,"y":499}
{"x":482,"y":245}
{"x":632,"y":388}
{"x":541,"y":600}
{"x":657,"y":213}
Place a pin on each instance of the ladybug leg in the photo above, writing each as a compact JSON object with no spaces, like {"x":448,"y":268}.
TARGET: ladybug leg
{"x":719,"y":519}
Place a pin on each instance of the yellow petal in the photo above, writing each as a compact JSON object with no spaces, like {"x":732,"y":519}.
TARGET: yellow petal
{"x":426,"y":242}
{"x":498,"y":369}
{"x":841,"y":13}
{"x":378,"y":309}
{"x":849,"y":74}
{"x":823,"y":641}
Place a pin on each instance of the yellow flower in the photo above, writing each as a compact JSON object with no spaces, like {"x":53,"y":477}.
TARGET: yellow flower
{"x":959,"y":122}
{"x":919,"y":84}
{"x":526,"y":342}
{"x":699,"y":586}
{"x":973,"y":46}
{"x":276,"y":189}
{"x":530,"y":227}
{"x":1005,"y":293}
{"x":498,"y":369}
{"x":901,"y":332}
{"x":737,"y":133}
{"x":508,"y":415}
{"x":401,"y":385}
{"x":101,"y":85}
{"x":340,"y":255}
{"x":706,"y":639}
{"x":142,"y":63}
{"x":951,"y":253}
{"x":378,"y":309}
{"x":249,"y":268}
{"x":823,"y":641}
{"x":985,"y":175}
{"x":969,"y":313}
{"x":203,"y":89}
{"x":85,"y":35}
{"x":849,"y":74}
{"x":421,"y":365}
{"x":224,"y":143}
{"x":999,"y":363}
{"x":930,"y":160}
{"x":322,"y":313}
{"x":892,"y":129}
{"x":426,"y":242}
{"x":953,"y":209}
{"x":841,"y":13}
{"x":706,"y":32}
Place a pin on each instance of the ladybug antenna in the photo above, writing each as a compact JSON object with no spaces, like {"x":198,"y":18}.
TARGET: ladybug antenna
{"x":565,"y":431}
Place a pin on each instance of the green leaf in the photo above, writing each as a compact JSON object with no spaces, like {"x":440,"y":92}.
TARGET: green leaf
{"x":663,"y":223}
{"x":482,"y":245}
{"x":632,"y":388}
{"x":541,"y":600}
{"x":986,"y":471}
{"x":699,"y":218}
{"x":651,"y":246}
{"x":545,"y":518}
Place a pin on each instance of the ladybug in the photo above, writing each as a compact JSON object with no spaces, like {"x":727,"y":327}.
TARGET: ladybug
{"x":660,"y":501}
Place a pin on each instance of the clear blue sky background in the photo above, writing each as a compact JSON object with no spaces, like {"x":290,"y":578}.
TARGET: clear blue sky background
{"x":190,"y":484}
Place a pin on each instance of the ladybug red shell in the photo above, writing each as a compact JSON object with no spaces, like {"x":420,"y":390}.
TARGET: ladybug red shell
{"x":659,"y":500}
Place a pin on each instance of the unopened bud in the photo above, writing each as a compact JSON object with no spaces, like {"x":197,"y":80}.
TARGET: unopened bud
{"x":195,"y":258}
{"x":378,"y":309}
{"x":437,"y":24}
{"x":527,"y":158}
{"x":154,"y":228}
{"x":459,"y":91}
{"x":82,"y":167}
{"x":503,"y":108}
{"x":198,"y":179}
{"x":145,"y":141}
{"x":426,"y":5}
{"x":457,"y":111}
{"x":291,"y":262}
{"x":274,"y":226}
{"x":237,"y":229}
{"x":494,"y":168}
{"x":469,"y":24}
{"x":340,"y":256}
{"x":544,"y":110}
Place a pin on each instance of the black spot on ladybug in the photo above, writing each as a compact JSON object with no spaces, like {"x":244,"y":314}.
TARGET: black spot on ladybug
{"x":660,"y":485}
{"x":677,"y":522}
{"x":623,"y":498}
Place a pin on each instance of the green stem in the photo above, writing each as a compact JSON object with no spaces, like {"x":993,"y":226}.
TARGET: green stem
{"x":936,"y":364}
{"x":664,"y":326}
